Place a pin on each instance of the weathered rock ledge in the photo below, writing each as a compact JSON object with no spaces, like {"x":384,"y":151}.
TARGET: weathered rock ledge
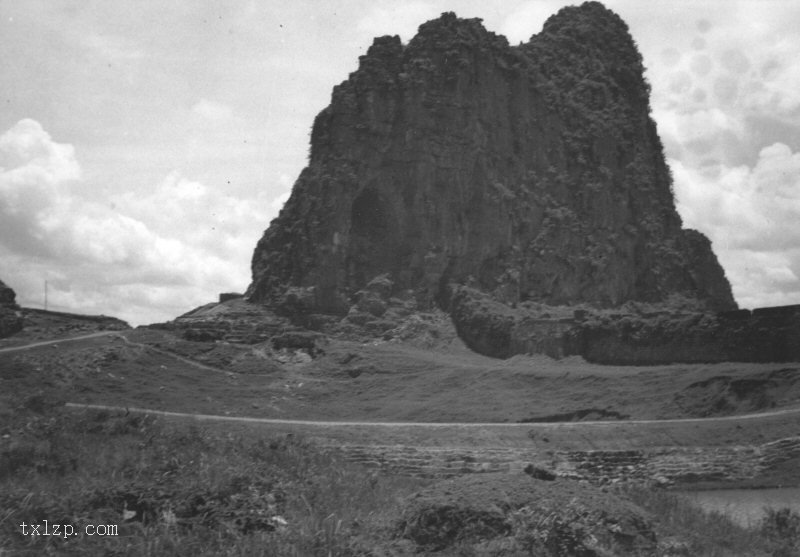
{"x":634,"y":334}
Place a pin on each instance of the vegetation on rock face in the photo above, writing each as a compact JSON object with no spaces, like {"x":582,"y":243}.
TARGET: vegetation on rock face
{"x":531,"y":173}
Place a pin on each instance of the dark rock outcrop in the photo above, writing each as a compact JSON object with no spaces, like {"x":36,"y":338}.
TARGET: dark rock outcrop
{"x":8,"y":298}
{"x":11,"y":321}
{"x":634,"y":334}
{"x":529,"y":173}
{"x":763,"y":335}
{"x":232,"y":320}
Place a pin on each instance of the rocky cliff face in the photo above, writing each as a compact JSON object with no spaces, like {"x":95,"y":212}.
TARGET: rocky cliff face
{"x":531,"y":173}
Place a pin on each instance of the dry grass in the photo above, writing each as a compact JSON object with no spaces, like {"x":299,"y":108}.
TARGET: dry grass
{"x":183,"y":491}
{"x":176,"y":489}
{"x":385,"y":381}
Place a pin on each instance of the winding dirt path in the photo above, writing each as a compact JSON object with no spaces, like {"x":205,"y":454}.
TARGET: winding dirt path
{"x":169,"y":354}
{"x":535,"y":425}
{"x":636,"y":450}
{"x":120,"y":335}
{"x":58,"y":341}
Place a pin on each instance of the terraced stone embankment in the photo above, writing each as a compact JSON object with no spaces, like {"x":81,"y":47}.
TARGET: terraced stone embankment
{"x":666,"y":465}
{"x":752,"y":450}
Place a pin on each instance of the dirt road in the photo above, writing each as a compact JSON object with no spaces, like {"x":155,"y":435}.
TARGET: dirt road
{"x":539,"y":425}
{"x":57,"y":341}
{"x":703,"y":449}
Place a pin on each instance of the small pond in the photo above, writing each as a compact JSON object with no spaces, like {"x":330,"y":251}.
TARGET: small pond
{"x":746,"y":506}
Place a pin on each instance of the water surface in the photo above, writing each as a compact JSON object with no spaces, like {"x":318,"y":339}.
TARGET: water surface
{"x":746,"y":506}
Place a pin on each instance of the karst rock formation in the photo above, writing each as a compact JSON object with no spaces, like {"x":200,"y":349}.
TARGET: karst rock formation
{"x":529,"y":173}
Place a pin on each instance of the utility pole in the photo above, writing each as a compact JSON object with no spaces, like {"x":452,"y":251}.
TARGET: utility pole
{"x":45,"y":295}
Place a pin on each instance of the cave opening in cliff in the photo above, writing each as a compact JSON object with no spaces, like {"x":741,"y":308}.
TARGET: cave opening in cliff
{"x":368,"y":216}
{"x":370,"y":226}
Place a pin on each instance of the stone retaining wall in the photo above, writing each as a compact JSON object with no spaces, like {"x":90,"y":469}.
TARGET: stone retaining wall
{"x":664,"y":465}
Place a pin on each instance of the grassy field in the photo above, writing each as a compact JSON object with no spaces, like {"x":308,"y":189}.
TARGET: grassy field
{"x":176,"y":489}
{"x":185,"y":491}
{"x":181,"y":487}
{"x":385,"y":381}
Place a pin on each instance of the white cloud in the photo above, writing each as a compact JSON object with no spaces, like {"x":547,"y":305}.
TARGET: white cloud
{"x":763,"y":279}
{"x":112,"y":48}
{"x":285,"y":180}
{"x":743,"y":70}
{"x":752,"y":216}
{"x":726,"y":96}
{"x":212,"y":111}
{"x":402,"y":18}
{"x":27,"y":141}
{"x":528,"y":20}
{"x":176,"y":244}
{"x":200,"y":216}
{"x":280,"y":201}
{"x":34,"y":176}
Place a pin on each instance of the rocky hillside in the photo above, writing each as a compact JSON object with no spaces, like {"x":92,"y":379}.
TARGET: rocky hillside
{"x":530,"y":173}
{"x":32,"y":325}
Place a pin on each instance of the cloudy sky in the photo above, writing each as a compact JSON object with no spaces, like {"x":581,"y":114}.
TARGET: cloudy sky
{"x":145,"y":146}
